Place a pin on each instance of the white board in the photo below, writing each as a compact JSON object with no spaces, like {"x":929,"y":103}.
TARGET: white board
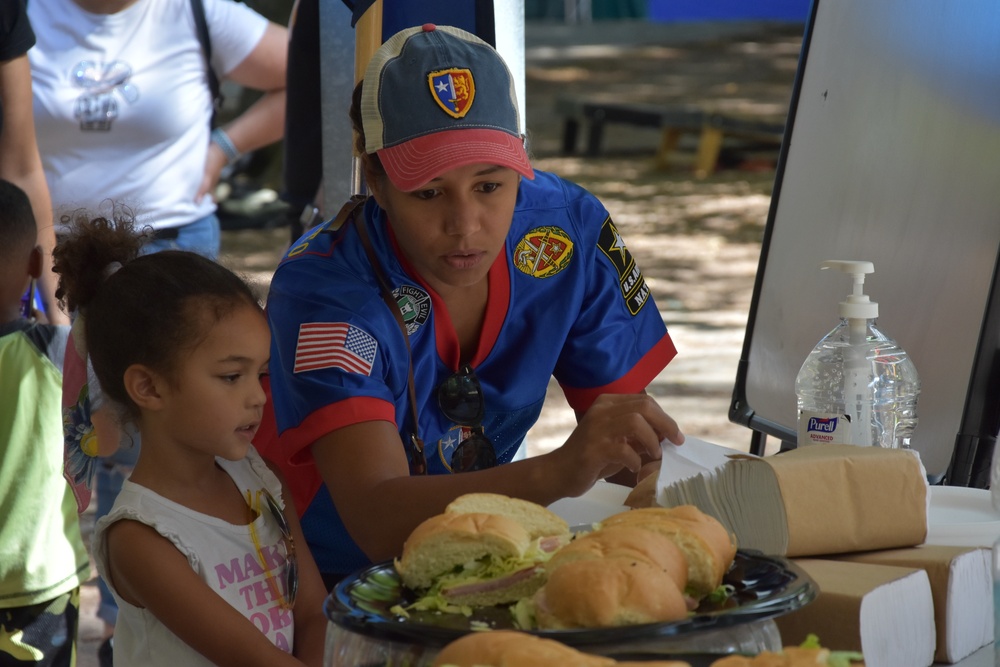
{"x":892,"y":155}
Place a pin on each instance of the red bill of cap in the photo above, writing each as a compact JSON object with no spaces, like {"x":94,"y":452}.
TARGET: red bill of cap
{"x":416,"y":162}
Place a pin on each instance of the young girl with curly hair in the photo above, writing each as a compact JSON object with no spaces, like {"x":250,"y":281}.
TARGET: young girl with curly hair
{"x":200,"y":547}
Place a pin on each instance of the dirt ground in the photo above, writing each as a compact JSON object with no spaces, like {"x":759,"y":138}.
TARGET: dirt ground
{"x":697,"y":241}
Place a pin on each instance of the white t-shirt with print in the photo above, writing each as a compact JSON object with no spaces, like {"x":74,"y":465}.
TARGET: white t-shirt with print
{"x":221,"y":553}
{"x":122,"y":104}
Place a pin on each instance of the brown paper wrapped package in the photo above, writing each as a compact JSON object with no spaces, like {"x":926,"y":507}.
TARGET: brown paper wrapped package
{"x":813,"y":501}
{"x":896,"y":601}
{"x":953,"y":571}
{"x":840,"y":498}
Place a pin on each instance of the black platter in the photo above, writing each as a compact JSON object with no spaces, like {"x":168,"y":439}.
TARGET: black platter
{"x":764,"y":587}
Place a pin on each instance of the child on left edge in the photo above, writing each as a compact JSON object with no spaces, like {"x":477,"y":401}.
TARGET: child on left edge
{"x":202,"y":550}
{"x":43,"y":560}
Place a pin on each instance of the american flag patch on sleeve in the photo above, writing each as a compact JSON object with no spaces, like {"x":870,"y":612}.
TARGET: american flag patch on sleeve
{"x":334,"y":345}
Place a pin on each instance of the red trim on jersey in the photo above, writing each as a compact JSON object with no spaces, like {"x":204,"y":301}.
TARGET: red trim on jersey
{"x":633,"y":382}
{"x":290,"y":451}
{"x":295,"y":442}
{"x":497,"y":303}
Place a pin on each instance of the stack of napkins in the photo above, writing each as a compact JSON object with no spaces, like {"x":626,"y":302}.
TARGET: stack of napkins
{"x":809,"y":501}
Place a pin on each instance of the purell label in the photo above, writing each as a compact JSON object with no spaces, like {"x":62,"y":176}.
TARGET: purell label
{"x":818,"y":428}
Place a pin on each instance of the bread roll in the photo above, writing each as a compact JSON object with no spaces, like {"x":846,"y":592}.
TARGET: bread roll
{"x":606,"y":593}
{"x":539,"y":521}
{"x":508,"y":648}
{"x":707,"y":545}
{"x":792,"y":656}
{"x":444,"y":541}
{"x":634,"y":544}
{"x":733,"y":661}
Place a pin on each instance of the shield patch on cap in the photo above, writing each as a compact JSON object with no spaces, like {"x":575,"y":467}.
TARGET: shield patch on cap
{"x":453,"y":90}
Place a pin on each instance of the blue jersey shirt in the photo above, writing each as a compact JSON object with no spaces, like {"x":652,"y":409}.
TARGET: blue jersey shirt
{"x":565,"y":300}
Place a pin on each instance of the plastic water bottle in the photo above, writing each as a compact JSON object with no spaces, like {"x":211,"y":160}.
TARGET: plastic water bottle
{"x":857,"y":386}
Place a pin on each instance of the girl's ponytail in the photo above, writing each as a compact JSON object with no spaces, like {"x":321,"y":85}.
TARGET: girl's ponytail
{"x":84,"y":259}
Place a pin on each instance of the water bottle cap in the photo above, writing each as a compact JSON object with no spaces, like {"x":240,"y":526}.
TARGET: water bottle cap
{"x":857,"y":305}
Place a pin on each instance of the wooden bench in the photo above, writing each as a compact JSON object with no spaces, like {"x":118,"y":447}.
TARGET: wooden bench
{"x":711,"y":126}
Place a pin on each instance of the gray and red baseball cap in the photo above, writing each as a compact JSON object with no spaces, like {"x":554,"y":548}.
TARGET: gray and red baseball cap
{"x":436,"y":98}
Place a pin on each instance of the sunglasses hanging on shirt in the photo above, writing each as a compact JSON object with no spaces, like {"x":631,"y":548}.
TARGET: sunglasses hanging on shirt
{"x":460,"y":398}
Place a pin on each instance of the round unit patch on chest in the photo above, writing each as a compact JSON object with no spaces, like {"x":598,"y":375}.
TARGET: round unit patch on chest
{"x":414,"y":304}
{"x":543,"y":252}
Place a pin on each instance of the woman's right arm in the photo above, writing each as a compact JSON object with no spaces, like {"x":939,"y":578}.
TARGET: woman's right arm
{"x":21,"y":164}
{"x":264,"y":122}
{"x":365,"y":469}
{"x":148,"y":571}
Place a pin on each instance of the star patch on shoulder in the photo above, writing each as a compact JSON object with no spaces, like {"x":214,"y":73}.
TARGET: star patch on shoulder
{"x":633,"y":285}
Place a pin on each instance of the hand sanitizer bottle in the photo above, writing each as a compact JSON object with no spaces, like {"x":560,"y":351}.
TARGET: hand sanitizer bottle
{"x":857,"y":386}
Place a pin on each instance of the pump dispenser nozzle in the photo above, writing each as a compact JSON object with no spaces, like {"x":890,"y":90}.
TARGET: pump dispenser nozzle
{"x":857,"y":305}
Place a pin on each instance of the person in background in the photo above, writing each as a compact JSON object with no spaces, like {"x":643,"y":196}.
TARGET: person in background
{"x":43,"y":560}
{"x":19,"y":159}
{"x":497,"y":278}
{"x":199,"y":549}
{"x":124,"y":109}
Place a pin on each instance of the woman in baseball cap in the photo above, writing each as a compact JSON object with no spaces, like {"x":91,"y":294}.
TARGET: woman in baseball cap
{"x":415,"y":335}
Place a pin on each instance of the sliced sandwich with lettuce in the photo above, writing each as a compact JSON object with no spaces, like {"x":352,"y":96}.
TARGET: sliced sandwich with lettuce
{"x":486,"y":549}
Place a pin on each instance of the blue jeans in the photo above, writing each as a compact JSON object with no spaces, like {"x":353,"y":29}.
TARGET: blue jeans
{"x":203,"y":237}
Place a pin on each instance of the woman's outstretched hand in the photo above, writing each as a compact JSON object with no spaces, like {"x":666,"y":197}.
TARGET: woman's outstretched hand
{"x":619,"y":432}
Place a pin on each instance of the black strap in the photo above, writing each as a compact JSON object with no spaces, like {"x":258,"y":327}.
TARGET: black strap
{"x":418,"y":462}
{"x":486,"y":25}
{"x":201,"y":27}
